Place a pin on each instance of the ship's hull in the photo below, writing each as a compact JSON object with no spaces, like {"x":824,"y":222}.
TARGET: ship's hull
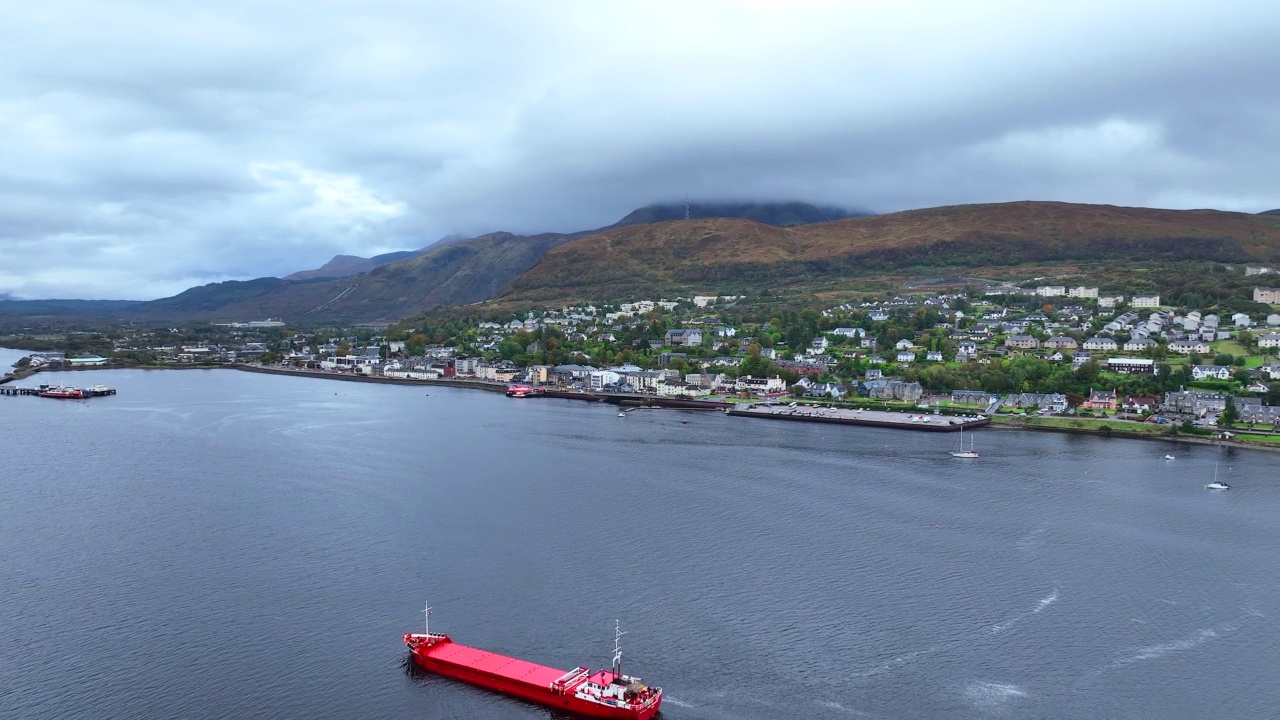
{"x":538,"y":694}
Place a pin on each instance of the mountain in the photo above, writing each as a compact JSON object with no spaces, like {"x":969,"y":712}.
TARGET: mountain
{"x":452,"y":271}
{"x":729,"y":254}
{"x":779,"y":214}
{"x":1270,"y":212}
{"x":345,"y":265}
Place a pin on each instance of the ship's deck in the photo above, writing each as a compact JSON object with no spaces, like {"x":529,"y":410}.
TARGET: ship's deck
{"x":501,"y":665}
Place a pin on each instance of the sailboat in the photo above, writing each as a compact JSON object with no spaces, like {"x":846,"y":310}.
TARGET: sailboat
{"x":960,"y":451}
{"x":1216,"y":484}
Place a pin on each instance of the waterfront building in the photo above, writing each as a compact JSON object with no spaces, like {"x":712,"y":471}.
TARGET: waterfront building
{"x":1271,"y":296}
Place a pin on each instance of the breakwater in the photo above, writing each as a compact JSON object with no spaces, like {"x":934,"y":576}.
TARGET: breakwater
{"x":872,"y":418}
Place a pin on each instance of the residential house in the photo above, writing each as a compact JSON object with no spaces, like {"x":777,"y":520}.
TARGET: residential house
{"x":1267,"y":295}
{"x":683,"y":337}
{"x":760,"y":385}
{"x":1081,"y":357}
{"x":903,"y":344}
{"x":1022,"y":342}
{"x":1110,"y":301}
{"x":1273,"y":320}
{"x":1145,"y":301}
{"x":1100,"y":400}
{"x":1210,"y":372}
{"x":1104,"y":344}
{"x":933,"y":356}
{"x":849,"y":332}
{"x":906,"y":356}
{"x":1054,"y":402}
{"x":1083,"y":292}
{"x":1138,"y":404}
{"x":1132,"y":366}
{"x":874,"y":374}
{"x":1270,"y":340}
{"x":1194,"y":402}
{"x":1187,"y":347}
{"x":971,"y":397}
{"x":886,"y":389}
{"x":1051,"y":290}
{"x":1140,"y":345}
{"x":725,"y":332}
{"x":1061,"y":343}
{"x":1241,"y":320}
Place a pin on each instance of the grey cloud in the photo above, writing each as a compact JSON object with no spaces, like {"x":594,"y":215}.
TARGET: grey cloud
{"x":146,"y":147}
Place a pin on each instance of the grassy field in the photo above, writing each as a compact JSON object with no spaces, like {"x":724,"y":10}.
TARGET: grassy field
{"x":1091,"y":424}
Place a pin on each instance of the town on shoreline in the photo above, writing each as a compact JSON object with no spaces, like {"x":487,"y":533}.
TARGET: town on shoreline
{"x":1047,"y":357}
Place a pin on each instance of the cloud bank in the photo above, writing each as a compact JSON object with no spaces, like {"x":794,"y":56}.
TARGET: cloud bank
{"x":147,"y":147}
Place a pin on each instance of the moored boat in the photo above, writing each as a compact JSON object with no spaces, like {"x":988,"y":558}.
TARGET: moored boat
{"x":61,"y":392}
{"x":600,"y":694}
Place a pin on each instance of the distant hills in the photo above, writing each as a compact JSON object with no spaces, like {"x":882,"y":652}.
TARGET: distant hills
{"x":724,"y":247}
{"x":1270,"y":212}
{"x":345,"y":265}
{"x":726,"y":254}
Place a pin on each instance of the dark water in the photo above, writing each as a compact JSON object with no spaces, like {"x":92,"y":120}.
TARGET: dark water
{"x":216,"y":544}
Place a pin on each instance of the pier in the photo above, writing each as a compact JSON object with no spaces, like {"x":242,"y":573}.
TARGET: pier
{"x":872,"y":418}
{"x":95,"y":391}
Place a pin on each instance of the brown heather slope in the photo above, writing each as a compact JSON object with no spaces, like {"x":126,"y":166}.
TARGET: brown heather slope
{"x":727,"y":255}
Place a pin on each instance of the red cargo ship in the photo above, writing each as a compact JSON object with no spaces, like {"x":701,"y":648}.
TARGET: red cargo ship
{"x":61,"y":392}
{"x":599,"y":694}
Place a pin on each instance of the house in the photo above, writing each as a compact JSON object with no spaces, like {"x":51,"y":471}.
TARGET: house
{"x":1105,"y":344}
{"x":1110,"y":301}
{"x":1145,"y":301}
{"x":1187,"y":347}
{"x":1061,"y":343}
{"x":1081,"y":357}
{"x":1273,"y":319}
{"x":878,"y":315}
{"x":724,"y":332}
{"x":1138,"y":404}
{"x":1241,"y":320}
{"x":1140,"y":345}
{"x":933,"y":356}
{"x":1022,"y":342}
{"x":967,"y":346}
{"x":1267,"y":295}
{"x":827,"y":389}
{"x":1131,"y":366}
{"x":849,"y":332}
{"x":1210,"y":372}
{"x":1100,"y":400}
{"x":683,"y":337}
{"x":1194,"y":402}
{"x":971,"y":397}
{"x":1051,"y":290}
{"x":666,"y":358}
{"x":874,"y":373}
{"x":903,"y":344}
{"x":1269,"y":340}
{"x":760,"y":385}
{"x":1054,"y":402}
{"x":1258,"y":413}
{"x":884,"y":389}
{"x":906,"y":356}
{"x":1083,"y":292}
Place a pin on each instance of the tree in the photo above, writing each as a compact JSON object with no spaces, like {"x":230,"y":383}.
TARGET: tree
{"x":1229,"y":415}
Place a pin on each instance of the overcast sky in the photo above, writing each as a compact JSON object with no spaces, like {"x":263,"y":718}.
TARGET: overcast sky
{"x":146,"y":147}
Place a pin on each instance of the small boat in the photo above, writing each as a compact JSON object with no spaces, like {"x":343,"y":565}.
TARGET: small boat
{"x":960,"y":450}
{"x":1168,"y":457}
{"x":1216,"y":484}
{"x":622,"y":414}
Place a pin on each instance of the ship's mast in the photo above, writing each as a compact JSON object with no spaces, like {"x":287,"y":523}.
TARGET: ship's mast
{"x":617,"y":648}
{"x":426,"y":614}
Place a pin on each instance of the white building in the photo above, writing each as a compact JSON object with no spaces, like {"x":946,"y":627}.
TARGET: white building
{"x":1145,"y":301}
{"x":760,"y":385}
{"x":1110,"y":301}
{"x":1051,"y":290}
{"x":1270,"y":340}
{"x":1083,"y":292}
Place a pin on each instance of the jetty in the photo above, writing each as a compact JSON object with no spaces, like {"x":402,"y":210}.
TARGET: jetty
{"x":95,"y":391}
{"x":928,"y":422}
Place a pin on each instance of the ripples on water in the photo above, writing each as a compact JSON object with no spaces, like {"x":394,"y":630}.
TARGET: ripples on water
{"x":220,"y":544}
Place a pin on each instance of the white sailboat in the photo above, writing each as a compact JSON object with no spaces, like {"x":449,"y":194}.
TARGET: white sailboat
{"x":960,"y":450}
{"x":1216,"y":484}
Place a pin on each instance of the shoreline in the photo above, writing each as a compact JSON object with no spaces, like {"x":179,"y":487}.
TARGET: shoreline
{"x":501,"y":387}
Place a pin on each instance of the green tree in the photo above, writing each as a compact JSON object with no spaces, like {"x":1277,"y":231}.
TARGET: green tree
{"x":1229,"y":415}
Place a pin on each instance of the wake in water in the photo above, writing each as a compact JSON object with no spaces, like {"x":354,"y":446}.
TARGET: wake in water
{"x":1041,"y":604}
{"x":990,"y":694}
{"x":1154,"y":652}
